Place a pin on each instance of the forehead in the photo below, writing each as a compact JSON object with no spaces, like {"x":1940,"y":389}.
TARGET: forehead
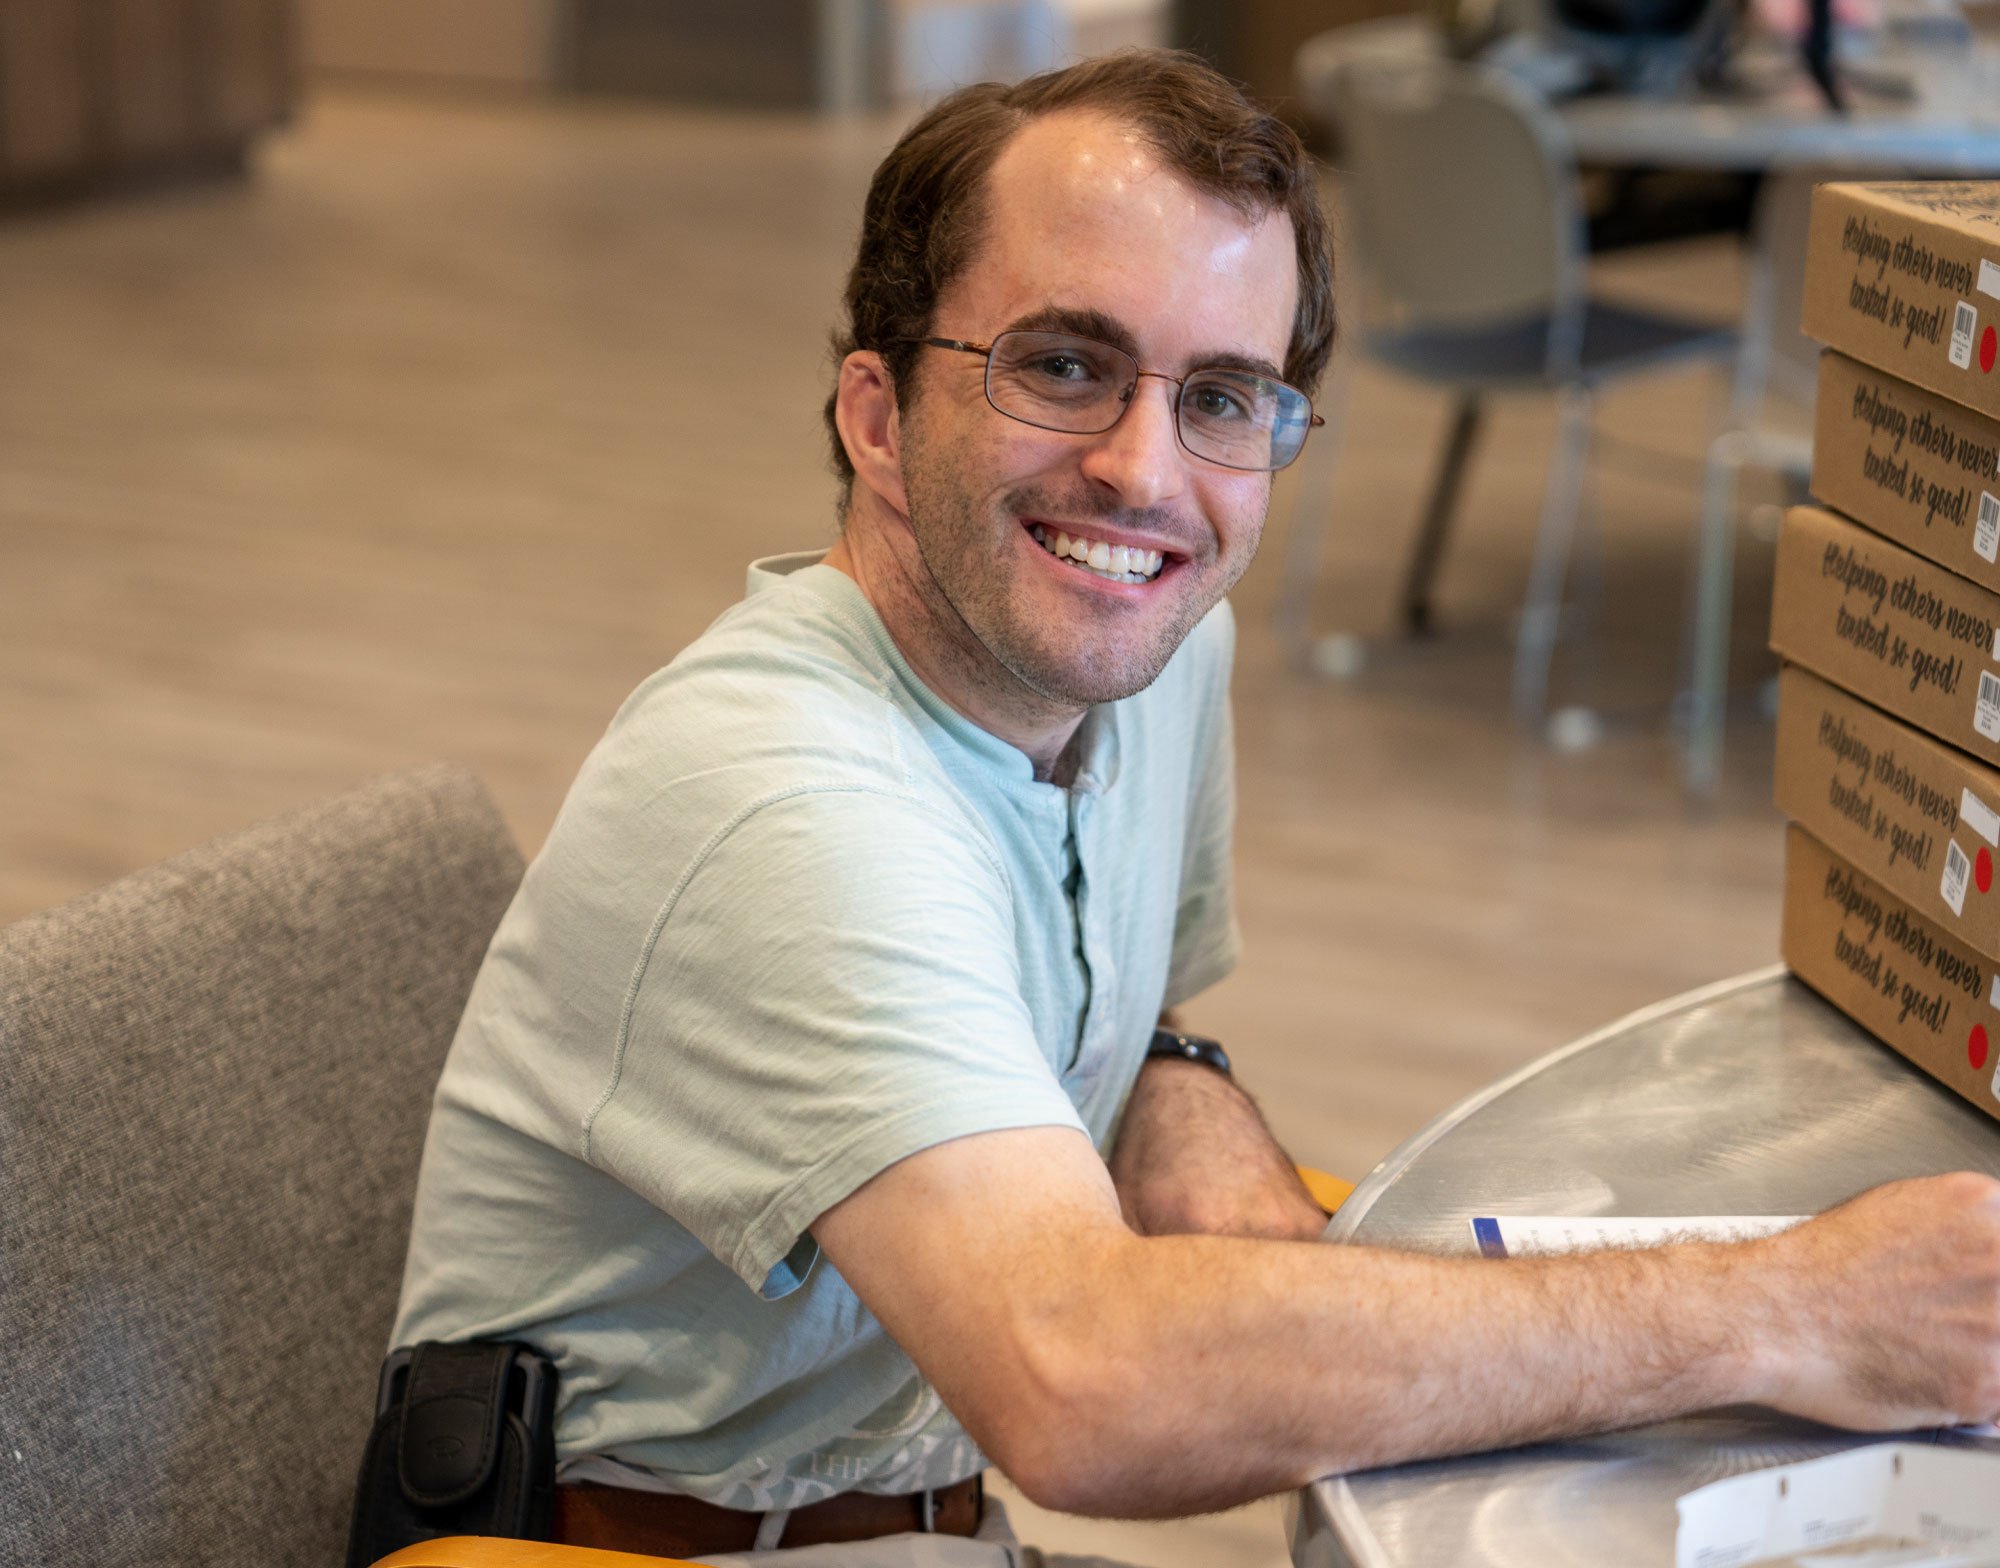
{"x":1081,"y":214}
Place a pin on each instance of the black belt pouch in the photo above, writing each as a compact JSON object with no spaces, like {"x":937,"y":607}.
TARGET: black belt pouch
{"x":463,"y":1444}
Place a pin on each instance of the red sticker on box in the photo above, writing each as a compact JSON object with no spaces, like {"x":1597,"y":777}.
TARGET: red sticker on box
{"x":1982,"y":871}
{"x":1975,"y":1046}
{"x":1988,"y":342}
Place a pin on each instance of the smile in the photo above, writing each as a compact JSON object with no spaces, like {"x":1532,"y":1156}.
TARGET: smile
{"x":1113,"y":562}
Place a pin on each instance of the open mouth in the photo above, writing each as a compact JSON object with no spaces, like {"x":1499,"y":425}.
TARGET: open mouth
{"x":1115,"y":563}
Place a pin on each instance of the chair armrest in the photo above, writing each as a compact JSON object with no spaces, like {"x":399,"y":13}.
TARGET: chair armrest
{"x":489,"y":1551}
{"x":1329,"y":1192}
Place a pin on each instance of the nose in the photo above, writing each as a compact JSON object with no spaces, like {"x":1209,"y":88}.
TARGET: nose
{"x":1141,"y":459}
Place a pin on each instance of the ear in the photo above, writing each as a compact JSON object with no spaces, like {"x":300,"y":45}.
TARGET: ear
{"x":870,"y":426}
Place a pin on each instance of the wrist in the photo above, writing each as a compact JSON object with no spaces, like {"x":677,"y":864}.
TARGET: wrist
{"x":1756,"y":1328}
{"x":1779,"y":1326}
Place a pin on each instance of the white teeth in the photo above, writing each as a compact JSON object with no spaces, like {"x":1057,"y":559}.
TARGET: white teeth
{"x":1117,"y":562}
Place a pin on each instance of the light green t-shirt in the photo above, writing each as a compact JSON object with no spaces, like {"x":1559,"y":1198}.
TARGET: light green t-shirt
{"x":796,"y":921}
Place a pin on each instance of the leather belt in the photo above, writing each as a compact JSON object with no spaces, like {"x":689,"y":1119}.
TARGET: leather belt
{"x":669,"y":1524}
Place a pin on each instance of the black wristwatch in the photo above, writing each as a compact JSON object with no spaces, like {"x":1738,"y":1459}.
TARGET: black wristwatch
{"x":1189,"y":1048}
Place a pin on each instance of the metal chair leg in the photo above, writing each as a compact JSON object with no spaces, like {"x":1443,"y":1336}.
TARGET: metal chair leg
{"x":1714,"y":594}
{"x":1534,"y":649}
{"x":1438,"y":513}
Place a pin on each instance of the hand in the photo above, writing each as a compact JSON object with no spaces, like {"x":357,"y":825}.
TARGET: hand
{"x":1890,"y":1307}
{"x":1194,"y":1158}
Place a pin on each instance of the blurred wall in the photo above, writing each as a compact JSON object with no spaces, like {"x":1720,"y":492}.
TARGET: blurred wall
{"x":1256,"y":41}
{"x":95,"y":92}
{"x":825,"y":54}
{"x":501,"y":41}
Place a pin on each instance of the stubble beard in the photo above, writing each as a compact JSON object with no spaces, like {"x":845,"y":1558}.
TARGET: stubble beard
{"x":969,"y":593}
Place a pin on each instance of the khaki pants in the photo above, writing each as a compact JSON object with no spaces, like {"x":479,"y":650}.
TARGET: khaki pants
{"x":994,"y":1546}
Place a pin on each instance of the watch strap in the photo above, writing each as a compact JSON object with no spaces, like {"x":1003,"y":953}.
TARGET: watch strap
{"x":1188,"y":1048}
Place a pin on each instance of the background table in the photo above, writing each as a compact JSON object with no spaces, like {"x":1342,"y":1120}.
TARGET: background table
{"x":1949,"y":125}
{"x":1751,"y":1097}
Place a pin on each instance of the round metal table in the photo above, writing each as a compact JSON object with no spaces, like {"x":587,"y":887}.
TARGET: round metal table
{"x":1748,"y":1097}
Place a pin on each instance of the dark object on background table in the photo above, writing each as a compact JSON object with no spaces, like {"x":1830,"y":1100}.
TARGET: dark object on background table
{"x":1817,"y":47}
{"x":1646,"y":46}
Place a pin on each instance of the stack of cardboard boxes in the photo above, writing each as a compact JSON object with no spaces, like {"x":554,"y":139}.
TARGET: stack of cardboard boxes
{"x":1887,"y":611}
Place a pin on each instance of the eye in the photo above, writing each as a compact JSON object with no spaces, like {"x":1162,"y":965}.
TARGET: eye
{"x":1218,"y":401}
{"x":1063,"y":365}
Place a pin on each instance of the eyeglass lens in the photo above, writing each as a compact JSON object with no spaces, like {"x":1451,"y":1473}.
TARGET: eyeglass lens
{"x":1060,"y":382}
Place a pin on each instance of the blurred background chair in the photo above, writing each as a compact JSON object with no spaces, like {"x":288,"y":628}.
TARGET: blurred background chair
{"x":1465,"y":238}
{"x":218,"y":1073}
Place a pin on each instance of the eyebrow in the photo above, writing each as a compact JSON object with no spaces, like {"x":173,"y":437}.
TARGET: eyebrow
{"x":1095,"y":324}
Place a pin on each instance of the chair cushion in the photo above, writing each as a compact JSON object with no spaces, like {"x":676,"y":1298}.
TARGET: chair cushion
{"x":217,"y":1075}
{"x":1618,"y":340}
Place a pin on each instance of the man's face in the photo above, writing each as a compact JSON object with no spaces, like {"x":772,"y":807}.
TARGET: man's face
{"x":1085,"y":232}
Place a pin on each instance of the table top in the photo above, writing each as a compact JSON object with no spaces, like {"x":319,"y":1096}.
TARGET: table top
{"x":1949,"y":125}
{"x":1750,"y":1097}
{"x":1791,"y":127}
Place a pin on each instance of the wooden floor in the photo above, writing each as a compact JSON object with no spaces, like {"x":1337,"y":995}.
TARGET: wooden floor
{"x":464,"y":414}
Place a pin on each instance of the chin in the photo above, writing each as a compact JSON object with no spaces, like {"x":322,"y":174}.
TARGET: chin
{"x":1087,"y":687}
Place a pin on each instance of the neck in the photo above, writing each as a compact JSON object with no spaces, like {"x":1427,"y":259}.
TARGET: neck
{"x":943,"y":652}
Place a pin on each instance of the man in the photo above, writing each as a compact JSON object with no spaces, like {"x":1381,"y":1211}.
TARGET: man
{"x":852,"y":934}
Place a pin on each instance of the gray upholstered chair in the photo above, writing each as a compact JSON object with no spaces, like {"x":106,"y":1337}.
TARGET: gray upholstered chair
{"x":214,"y":1080}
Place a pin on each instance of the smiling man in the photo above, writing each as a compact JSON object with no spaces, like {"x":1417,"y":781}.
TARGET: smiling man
{"x":809,"y":1111}
{"x":1027,"y":574}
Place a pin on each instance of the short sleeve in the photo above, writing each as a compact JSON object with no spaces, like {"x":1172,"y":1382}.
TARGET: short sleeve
{"x":1206,"y":939}
{"x":832,"y":988}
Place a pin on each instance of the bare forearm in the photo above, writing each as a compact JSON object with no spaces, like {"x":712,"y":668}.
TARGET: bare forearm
{"x":1230,"y":1370}
{"x":1115,"y":1373}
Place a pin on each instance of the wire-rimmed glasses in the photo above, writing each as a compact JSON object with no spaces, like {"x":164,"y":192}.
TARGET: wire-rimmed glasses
{"x":1081,"y":386}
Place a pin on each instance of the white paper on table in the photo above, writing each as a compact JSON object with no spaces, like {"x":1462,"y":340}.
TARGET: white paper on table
{"x":1891,"y":1503}
{"x":1532,"y":1235}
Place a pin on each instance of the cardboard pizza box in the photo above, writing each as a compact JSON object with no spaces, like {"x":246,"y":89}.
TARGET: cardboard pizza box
{"x":1901,"y":632}
{"x":1911,"y":465}
{"x":1918,"y":816}
{"x":1905,"y":276}
{"x":1917,"y":989}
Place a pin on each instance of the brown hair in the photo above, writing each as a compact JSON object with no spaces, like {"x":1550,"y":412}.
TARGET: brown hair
{"x":921,"y":222}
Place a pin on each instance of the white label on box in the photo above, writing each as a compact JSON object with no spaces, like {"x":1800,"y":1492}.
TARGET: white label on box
{"x":1964,"y":322}
{"x":1996,"y":1083}
{"x":1993,"y":996}
{"x":1989,"y":278}
{"x":1986,"y":532}
{"x":1980,"y":817}
{"x":1957,"y":872}
{"x":1986,"y":711}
